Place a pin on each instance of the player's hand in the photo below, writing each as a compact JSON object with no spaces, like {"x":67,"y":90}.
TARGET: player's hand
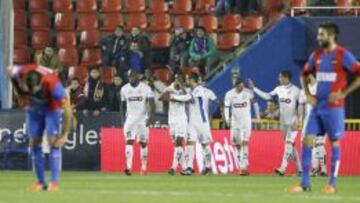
{"x":251,"y":84}
{"x":311,"y":100}
{"x":335,"y":97}
{"x":61,"y":140}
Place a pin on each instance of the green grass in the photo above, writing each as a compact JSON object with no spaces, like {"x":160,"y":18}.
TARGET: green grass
{"x":89,"y":187}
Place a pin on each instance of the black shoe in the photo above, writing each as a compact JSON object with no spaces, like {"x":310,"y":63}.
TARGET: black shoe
{"x":171,"y":172}
{"x":127,"y":172}
{"x":187,"y":172}
{"x":279,"y":172}
{"x":323,"y":174}
{"x":206,"y":172}
{"x":298,"y":173}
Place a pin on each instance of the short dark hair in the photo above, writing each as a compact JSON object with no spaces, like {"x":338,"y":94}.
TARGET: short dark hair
{"x":331,"y":28}
{"x":201,"y":28}
{"x":195,"y":76}
{"x":32,"y":79}
{"x":286,"y":73}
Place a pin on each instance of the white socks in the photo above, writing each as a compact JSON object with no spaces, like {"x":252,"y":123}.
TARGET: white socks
{"x":189,"y":156}
{"x":287,"y":153}
{"x":144,"y":158}
{"x":207,"y":156}
{"x":178,"y":157}
{"x":129,"y":151}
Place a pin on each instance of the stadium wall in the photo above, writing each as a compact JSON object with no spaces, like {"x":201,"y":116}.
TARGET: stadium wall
{"x":265,"y":150}
{"x":286,"y":45}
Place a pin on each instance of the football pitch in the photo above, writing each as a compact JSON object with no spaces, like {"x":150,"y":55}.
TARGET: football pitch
{"x":91,"y":187}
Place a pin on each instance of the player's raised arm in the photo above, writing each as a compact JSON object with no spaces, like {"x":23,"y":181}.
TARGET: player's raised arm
{"x":260,"y":93}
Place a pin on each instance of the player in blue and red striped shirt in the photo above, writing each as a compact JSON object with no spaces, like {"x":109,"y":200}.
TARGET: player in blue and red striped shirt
{"x":48,"y":109}
{"x":330,"y":64}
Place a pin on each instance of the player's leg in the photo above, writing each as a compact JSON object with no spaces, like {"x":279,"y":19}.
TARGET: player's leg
{"x":178,"y":139}
{"x":245,"y":137}
{"x":320,"y":142}
{"x":235,"y":137}
{"x":35,"y":128}
{"x":315,"y":161}
{"x":129,"y":133}
{"x":53,"y":123}
{"x":189,"y":151}
{"x":295,"y":155}
{"x":143,"y":133}
{"x":205,"y":139}
{"x":288,"y":150}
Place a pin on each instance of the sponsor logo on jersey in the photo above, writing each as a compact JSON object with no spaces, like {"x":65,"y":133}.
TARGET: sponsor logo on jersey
{"x":240,"y":105}
{"x":135,"y":99}
{"x":326,"y":77}
{"x":285,"y":100}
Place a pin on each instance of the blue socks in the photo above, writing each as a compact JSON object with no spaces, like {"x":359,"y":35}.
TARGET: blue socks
{"x":55,"y":159}
{"x":306,"y":164}
{"x":335,"y":164}
{"x":39,"y":165}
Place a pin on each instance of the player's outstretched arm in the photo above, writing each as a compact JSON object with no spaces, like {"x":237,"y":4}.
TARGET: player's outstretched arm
{"x":260,"y":93}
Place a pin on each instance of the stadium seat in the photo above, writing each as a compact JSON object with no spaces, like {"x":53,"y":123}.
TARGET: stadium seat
{"x":160,"y":40}
{"x":107,"y":74}
{"x":62,"y":6}
{"x":40,"y":21}
{"x":158,"y":6}
{"x":298,"y":3}
{"x":21,"y":55}
{"x":89,"y":38}
{"x":38,"y":6}
{"x":91,"y":57}
{"x":111,"y":20}
{"x":181,"y":7}
{"x":80,"y":72}
{"x":209,"y":22}
{"x":185,"y":21}
{"x":68,"y":56}
{"x":160,"y":22}
{"x":87,"y":21}
{"x":19,"y":5}
{"x":40,"y":39}
{"x":20,"y":20}
{"x":231,"y":23}
{"x":204,"y":6}
{"x":64,"y":22}
{"x":111,"y":6}
{"x":252,"y":23}
{"x":20,"y":39}
{"x":228,"y":41}
{"x":343,"y":3}
{"x":134,"y":6}
{"x":163,"y":74}
{"x":136,"y":20}
{"x":86,"y":6}
{"x":66,"y":39}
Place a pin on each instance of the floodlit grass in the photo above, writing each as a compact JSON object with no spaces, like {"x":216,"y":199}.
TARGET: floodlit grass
{"x":89,"y":187}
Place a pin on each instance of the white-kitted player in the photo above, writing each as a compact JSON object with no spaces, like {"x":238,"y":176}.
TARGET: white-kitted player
{"x":199,"y":123}
{"x":288,"y":97}
{"x":238,"y":103}
{"x":177,"y":119}
{"x":319,"y":151}
{"x":138,"y":102}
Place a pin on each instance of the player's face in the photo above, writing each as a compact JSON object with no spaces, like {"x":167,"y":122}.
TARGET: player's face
{"x":133,"y":78}
{"x":283,"y":80}
{"x":239,"y":87}
{"x":323,"y":38}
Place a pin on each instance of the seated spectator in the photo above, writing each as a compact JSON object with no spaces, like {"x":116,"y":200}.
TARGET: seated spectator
{"x":95,"y":94}
{"x":144,"y":44}
{"x":76,"y":94}
{"x":202,"y":51}
{"x":49,"y":59}
{"x":114,"y":94}
{"x":114,"y":49}
{"x":179,"y":50}
{"x":271,"y":112}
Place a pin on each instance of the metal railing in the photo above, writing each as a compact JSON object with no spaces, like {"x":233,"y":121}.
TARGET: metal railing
{"x":356,"y":9}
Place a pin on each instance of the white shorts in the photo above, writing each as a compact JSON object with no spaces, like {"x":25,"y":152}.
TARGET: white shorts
{"x":202,"y":132}
{"x":178,"y":130}
{"x":191,"y":134}
{"x":288,"y":133}
{"x":240,"y":134}
{"x":136,"y":130}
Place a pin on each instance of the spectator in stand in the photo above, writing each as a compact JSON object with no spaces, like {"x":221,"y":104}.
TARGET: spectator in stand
{"x":203,"y":51}
{"x":115,"y":49}
{"x":114,"y":94}
{"x":95,"y":94}
{"x":271,"y":111}
{"x":144,"y":44}
{"x":49,"y":59}
{"x":179,"y":50}
{"x":323,"y":3}
{"x":136,"y":58}
{"x":245,"y":7}
{"x":76,"y":94}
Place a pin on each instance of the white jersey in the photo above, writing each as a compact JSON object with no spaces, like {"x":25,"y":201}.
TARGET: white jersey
{"x":200,"y":108}
{"x":303,"y":100}
{"x":240,"y":106}
{"x":177,"y":109}
{"x":135,"y":98}
{"x":288,"y":97}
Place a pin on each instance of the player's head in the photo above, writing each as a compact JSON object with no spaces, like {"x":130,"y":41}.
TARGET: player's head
{"x":238,"y":84}
{"x":327,"y":34}
{"x":133,"y":77}
{"x":194,"y":79}
{"x":95,"y":73}
{"x":33,"y":82}
{"x":284,"y":77}
{"x":178,"y":80}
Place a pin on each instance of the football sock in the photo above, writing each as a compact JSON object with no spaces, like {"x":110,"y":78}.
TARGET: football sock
{"x":306,"y":162}
{"x":287,"y":153}
{"x":39,"y":165}
{"x":129,"y":156}
{"x":178,"y":153}
{"x":144,"y":158}
{"x":335,"y":164}
{"x":189,"y":155}
{"x":207,"y":156}
{"x":55,"y":159}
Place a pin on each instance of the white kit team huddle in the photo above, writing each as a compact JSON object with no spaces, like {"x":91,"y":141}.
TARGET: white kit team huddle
{"x":189,"y":122}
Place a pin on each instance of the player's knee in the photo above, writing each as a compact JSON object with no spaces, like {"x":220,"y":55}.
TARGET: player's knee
{"x":309,"y":141}
{"x":130,"y":142}
{"x":143,"y":144}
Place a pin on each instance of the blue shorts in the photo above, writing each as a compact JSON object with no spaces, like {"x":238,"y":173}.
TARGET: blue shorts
{"x":37,"y":121}
{"x":330,"y":121}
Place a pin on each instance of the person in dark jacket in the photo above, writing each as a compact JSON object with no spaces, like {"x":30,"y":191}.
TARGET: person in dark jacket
{"x":114,"y":94}
{"x":144,"y":44}
{"x":179,"y":50}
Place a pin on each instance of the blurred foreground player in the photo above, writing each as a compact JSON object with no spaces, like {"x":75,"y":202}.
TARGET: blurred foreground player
{"x":330,"y":64}
{"x":48,"y":109}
